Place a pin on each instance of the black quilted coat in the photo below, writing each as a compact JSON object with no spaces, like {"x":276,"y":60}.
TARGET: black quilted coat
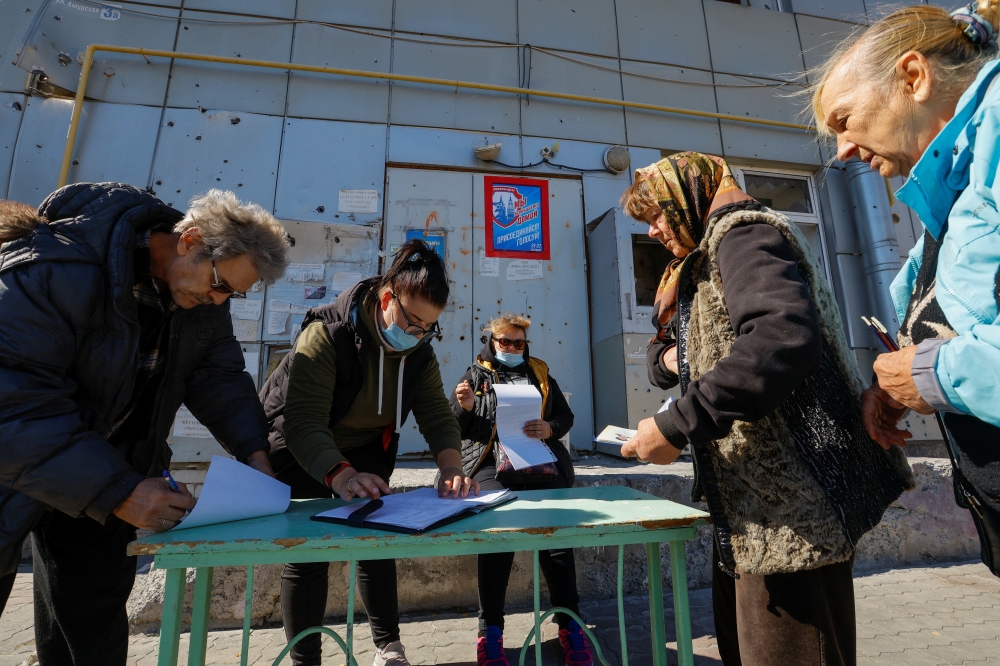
{"x":68,"y":339}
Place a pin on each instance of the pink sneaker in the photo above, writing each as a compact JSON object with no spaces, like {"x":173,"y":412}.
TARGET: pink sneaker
{"x":576,"y":650}
{"x":489,"y":648}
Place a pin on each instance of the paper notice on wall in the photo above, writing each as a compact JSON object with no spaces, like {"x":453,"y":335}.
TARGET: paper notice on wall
{"x":488,"y":266}
{"x":245,"y":308}
{"x":304,"y":272}
{"x":245,"y":330}
{"x":186,"y":425}
{"x":358,"y":201}
{"x":316,"y":293}
{"x":287,"y":306}
{"x":277,"y":320}
{"x":524,"y":269}
{"x":251,"y":361}
{"x":343,"y":281}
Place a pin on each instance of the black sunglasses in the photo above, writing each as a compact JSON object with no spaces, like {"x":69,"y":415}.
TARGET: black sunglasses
{"x":507,"y":343}
{"x":413,"y":329}
{"x":223,"y":288}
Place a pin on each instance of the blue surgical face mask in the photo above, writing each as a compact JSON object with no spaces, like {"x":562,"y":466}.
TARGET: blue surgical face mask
{"x":510,"y":359}
{"x":399,"y":339}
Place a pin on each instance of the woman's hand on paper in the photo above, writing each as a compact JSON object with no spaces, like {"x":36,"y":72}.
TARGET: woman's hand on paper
{"x":259,"y":461}
{"x":465,"y":396}
{"x":154,"y":506}
{"x":455,"y":483}
{"x":538,"y":429}
{"x":649,"y":445}
{"x":669,"y":360}
{"x":880,"y":413}
{"x":351,"y":483}
{"x":895,"y":378}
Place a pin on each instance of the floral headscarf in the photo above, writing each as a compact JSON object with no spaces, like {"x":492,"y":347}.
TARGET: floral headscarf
{"x":691,"y":188}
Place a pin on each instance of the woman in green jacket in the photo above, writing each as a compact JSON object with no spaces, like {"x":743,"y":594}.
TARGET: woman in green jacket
{"x":335,"y":405}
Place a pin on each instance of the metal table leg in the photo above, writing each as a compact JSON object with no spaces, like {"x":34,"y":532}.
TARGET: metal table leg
{"x":170,"y":622}
{"x":538,"y":613}
{"x":621,"y":604}
{"x":199,"y":616}
{"x":682,"y":611}
{"x":656,"y":623}
{"x":247,"y":617}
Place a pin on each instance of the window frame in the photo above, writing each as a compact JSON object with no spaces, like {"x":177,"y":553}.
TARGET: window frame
{"x":814,"y":219}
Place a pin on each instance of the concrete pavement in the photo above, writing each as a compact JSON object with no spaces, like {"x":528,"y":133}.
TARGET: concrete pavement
{"x":945,"y":614}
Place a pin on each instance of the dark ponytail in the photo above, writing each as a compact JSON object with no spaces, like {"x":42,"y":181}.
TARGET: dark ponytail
{"x":417,"y":271}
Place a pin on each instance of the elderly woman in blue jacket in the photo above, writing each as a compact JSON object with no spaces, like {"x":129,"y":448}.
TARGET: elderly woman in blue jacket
{"x":918,"y":95}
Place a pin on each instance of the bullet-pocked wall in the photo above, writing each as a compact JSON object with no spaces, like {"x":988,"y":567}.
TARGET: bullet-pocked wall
{"x":294,"y":142}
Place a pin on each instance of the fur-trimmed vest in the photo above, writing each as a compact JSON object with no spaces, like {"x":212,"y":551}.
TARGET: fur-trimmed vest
{"x":798,"y":488}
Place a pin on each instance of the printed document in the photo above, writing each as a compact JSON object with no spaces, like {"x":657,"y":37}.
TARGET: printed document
{"x":234,"y":491}
{"x":516,"y":405}
{"x":419,"y":509}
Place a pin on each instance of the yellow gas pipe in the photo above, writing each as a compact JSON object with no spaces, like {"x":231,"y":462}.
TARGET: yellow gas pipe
{"x":88,"y":60}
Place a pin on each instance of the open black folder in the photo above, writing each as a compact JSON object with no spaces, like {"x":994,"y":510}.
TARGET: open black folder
{"x":413,"y":512}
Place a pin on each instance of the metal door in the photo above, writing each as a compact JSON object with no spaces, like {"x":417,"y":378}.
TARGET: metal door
{"x":437,"y":205}
{"x":556,"y":303}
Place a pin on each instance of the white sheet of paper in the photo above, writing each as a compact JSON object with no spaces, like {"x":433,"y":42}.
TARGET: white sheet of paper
{"x":524,"y":269}
{"x":277,"y":320}
{"x":186,"y":425}
{"x":246,"y":308}
{"x":245,"y":330}
{"x":357,"y":201}
{"x":343,"y":281}
{"x":234,"y":491}
{"x":304,"y":272}
{"x":516,"y":405}
{"x":488,"y":266}
{"x":419,"y":508}
{"x":665,"y":406}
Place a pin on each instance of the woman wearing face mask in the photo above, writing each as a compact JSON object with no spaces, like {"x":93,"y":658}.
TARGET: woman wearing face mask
{"x":505,"y":360}
{"x":917,"y":95}
{"x":336,"y":403}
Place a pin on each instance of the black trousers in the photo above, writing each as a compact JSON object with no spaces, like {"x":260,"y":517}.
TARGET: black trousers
{"x":804,"y":618}
{"x":6,"y":585}
{"x":304,"y":586}
{"x":82,"y":579}
{"x":558,"y":567}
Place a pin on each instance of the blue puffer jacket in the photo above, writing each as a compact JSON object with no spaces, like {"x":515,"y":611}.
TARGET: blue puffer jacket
{"x":955,"y":182}
{"x":68,"y":339}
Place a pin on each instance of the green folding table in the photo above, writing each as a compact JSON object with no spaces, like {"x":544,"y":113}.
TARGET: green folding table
{"x":536,"y":520}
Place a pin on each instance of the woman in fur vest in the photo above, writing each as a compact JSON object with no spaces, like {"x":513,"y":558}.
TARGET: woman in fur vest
{"x":746,"y":323}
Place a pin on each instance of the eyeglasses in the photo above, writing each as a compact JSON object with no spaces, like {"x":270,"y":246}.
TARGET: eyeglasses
{"x":507,"y":343}
{"x":413,"y":329}
{"x":223,"y":288}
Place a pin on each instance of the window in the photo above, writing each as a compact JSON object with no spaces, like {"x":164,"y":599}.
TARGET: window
{"x":649,"y":260}
{"x":793,"y":195}
{"x":789,"y":195}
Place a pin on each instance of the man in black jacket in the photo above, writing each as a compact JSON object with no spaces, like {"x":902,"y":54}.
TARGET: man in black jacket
{"x":111,"y":315}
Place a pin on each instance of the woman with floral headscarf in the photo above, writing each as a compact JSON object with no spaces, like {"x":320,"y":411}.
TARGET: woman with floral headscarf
{"x":746,"y":323}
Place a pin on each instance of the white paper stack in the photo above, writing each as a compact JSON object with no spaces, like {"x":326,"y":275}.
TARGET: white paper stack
{"x":516,"y":405}
{"x":234,"y":491}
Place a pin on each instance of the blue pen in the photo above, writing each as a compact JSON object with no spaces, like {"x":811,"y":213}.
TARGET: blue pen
{"x":170,"y":481}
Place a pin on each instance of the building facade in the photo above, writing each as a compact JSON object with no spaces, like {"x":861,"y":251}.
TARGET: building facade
{"x":355,"y":165}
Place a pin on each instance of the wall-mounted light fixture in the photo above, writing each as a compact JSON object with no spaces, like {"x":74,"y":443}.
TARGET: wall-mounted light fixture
{"x":486,"y":151}
{"x":617,"y":159}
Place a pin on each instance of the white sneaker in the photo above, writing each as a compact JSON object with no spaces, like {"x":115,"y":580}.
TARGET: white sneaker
{"x":391,"y":655}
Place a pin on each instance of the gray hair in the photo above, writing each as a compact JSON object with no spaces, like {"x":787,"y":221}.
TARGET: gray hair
{"x":230,"y":228}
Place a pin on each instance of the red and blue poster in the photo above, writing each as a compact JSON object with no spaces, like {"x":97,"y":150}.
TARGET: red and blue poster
{"x":517,"y":217}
